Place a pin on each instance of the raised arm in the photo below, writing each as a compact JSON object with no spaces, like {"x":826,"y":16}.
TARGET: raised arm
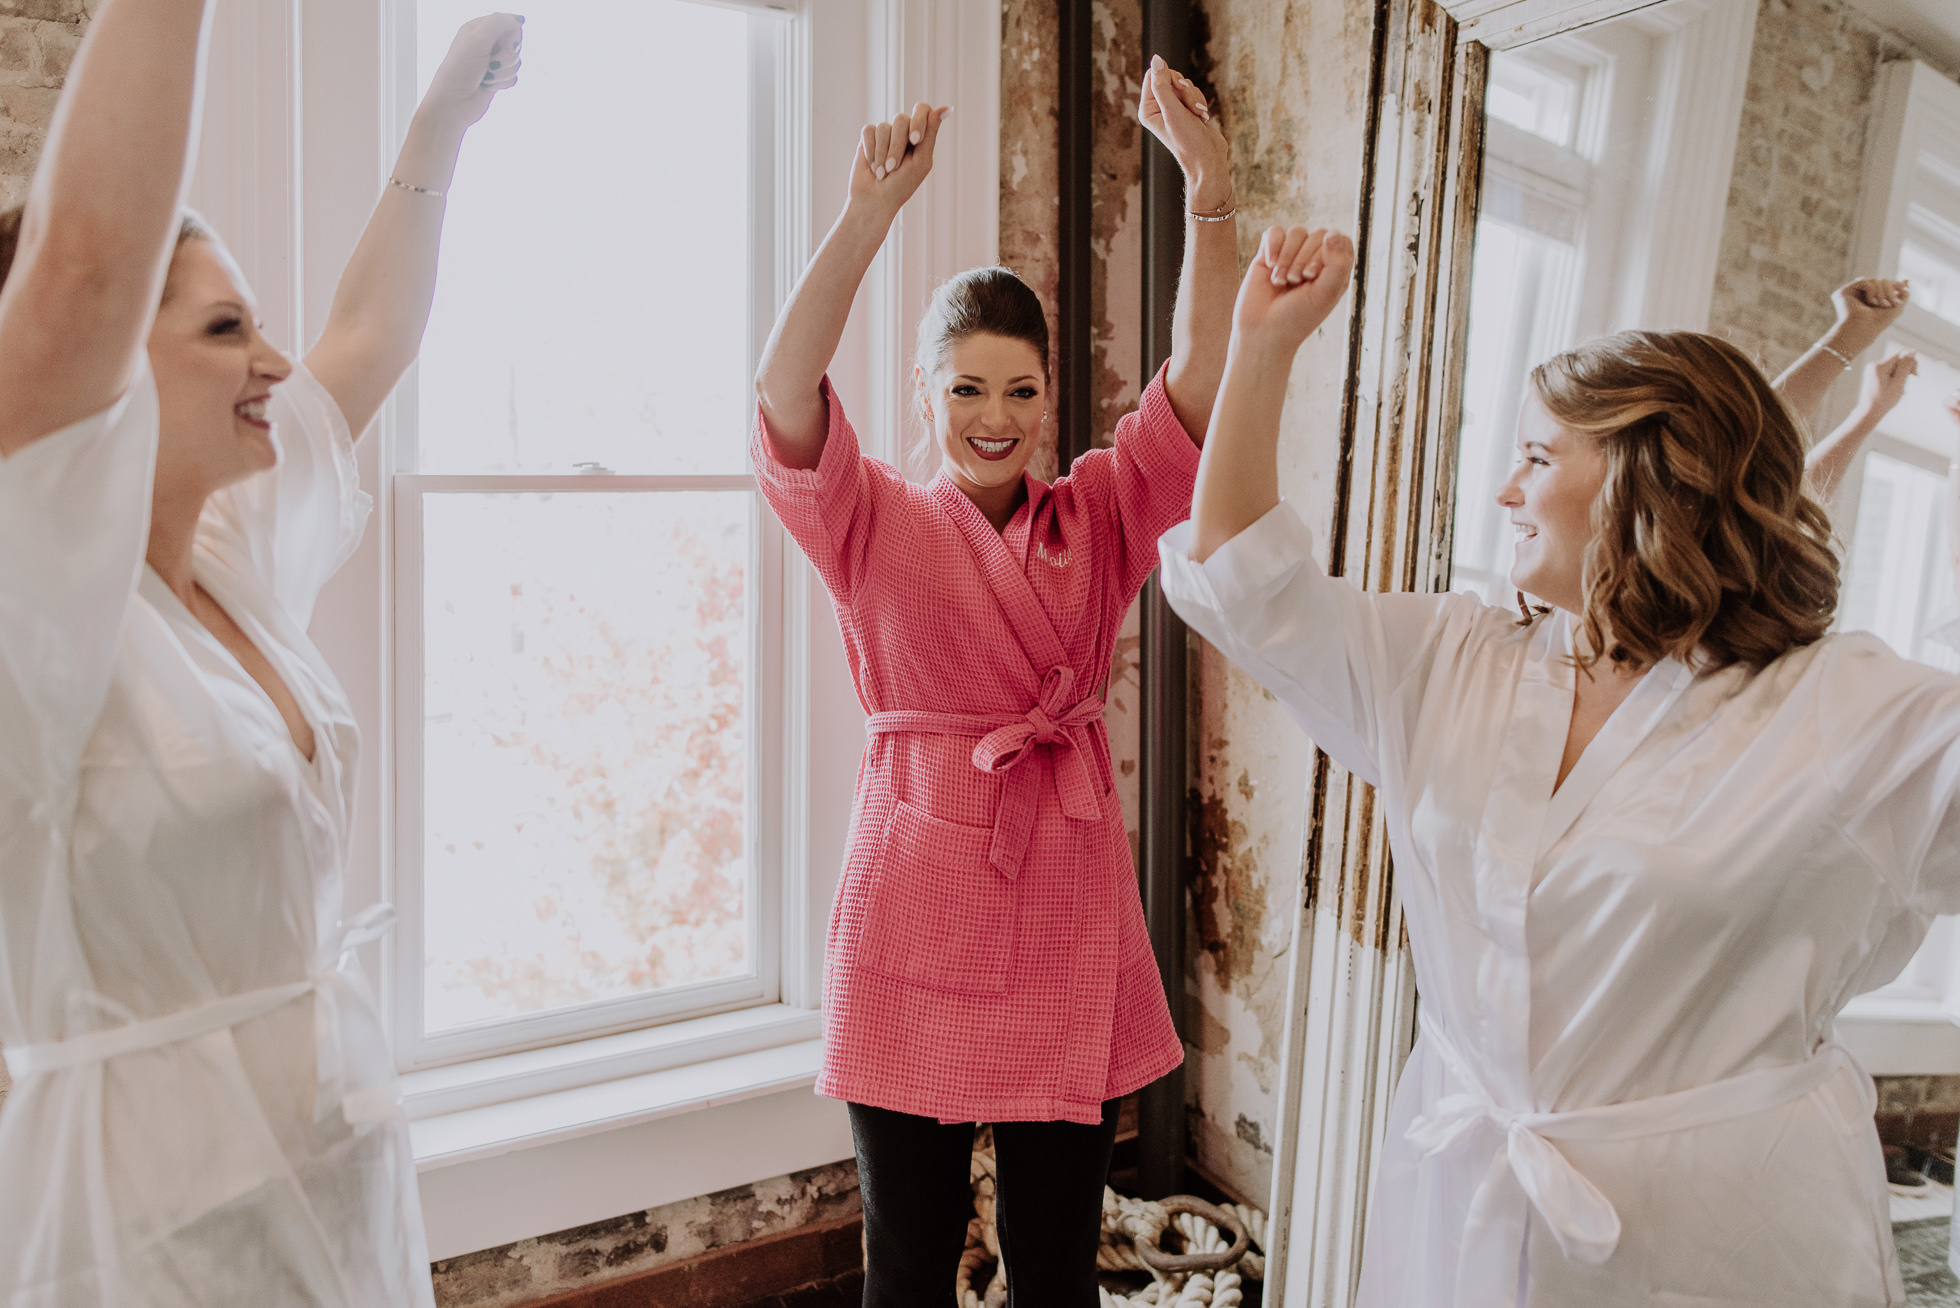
{"x":1884,"y":385}
{"x":100,"y":219}
{"x":1175,"y":111}
{"x":891,"y":160}
{"x":1294,"y":282}
{"x":381,"y":307}
{"x":1865,"y":308}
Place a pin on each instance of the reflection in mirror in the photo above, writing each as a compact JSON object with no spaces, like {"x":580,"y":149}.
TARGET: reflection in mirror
{"x":1607,"y":156}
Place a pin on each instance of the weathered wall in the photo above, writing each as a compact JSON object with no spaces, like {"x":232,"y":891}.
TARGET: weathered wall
{"x":578,"y":1259}
{"x":1799,"y":170}
{"x":1276,"y":66}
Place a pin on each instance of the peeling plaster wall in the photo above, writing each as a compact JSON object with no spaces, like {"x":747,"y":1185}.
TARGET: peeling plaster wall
{"x":588,"y":1256}
{"x":1030,"y":171}
{"x":1116,"y":330}
{"x":1291,"y":77}
{"x":1799,"y":171}
{"x":1030,"y":225}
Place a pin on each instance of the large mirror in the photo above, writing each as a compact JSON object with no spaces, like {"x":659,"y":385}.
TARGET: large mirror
{"x":1719,"y":166}
{"x":1713,"y":165}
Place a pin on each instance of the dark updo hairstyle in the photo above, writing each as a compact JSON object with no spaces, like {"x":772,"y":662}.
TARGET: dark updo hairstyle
{"x":1707,"y":545}
{"x":978,"y":302}
{"x":190,"y":227}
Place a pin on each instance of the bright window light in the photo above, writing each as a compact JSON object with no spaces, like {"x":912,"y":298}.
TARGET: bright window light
{"x":593,"y":307}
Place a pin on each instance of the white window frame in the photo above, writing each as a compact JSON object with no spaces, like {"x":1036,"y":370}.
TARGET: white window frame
{"x":298,"y":137}
{"x":773,"y":51}
{"x":1910,"y":1027}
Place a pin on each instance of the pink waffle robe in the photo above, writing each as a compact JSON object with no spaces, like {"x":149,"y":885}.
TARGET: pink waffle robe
{"x":987,"y":958}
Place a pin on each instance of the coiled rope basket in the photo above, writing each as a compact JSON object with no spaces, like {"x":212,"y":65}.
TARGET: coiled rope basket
{"x":1223,"y":1247}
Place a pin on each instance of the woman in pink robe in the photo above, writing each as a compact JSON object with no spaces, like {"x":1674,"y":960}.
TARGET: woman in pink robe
{"x":987,"y":959}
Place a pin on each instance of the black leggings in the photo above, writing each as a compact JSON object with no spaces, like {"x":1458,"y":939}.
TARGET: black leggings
{"x":914,"y":1175}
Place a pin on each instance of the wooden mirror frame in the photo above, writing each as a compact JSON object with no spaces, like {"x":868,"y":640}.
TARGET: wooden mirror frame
{"x":1350,"y":1002}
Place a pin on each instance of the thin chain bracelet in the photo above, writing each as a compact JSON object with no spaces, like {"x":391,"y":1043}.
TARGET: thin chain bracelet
{"x":419,"y":190}
{"x":1839,"y":355}
{"x":1230,"y":211}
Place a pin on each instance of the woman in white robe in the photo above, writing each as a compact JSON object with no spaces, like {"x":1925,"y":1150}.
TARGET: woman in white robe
{"x":1639,"y":888}
{"x":204,"y":1108}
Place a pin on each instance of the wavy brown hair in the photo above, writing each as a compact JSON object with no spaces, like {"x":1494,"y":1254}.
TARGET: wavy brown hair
{"x":1706,"y":545}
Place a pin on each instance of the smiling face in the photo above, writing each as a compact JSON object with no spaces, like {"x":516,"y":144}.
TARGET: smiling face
{"x":985,"y":403}
{"x":1550,"y":497}
{"x":214,"y":374}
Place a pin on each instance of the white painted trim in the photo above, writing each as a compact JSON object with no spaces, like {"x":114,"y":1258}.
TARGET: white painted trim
{"x":248,"y":176}
{"x":530,"y":1073}
{"x":510,"y":1125}
{"x":1908,"y":1035}
{"x":1683,"y":200}
{"x":570,"y":1180}
{"x":1503,"y":24}
{"x":1349,"y":1006}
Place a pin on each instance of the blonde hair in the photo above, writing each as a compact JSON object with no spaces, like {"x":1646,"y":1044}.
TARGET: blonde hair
{"x":1706,"y":545}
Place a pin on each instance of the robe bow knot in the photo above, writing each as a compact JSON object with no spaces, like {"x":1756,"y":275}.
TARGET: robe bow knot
{"x":1529,"y":1171}
{"x":1053,"y":720}
{"x":1056,"y":722}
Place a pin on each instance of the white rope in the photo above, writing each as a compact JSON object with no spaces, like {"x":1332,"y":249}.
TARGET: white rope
{"x":1124,"y":1221}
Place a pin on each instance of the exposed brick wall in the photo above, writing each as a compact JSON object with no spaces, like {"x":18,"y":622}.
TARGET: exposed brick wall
{"x":1799,"y":169}
{"x":38,"y":38}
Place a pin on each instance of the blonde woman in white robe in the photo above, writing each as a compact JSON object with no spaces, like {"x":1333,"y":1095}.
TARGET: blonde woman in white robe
{"x":204,"y":1110}
{"x":1639,"y":886}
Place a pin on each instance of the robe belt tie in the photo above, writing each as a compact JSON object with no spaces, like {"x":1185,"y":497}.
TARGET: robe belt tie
{"x":362,"y":1093}
{"x":1006,"y":742}
{"x":1530,"y":1167}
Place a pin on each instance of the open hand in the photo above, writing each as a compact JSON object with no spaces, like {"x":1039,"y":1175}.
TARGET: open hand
{"x":893,"y":158}
{"x":1884,"y":382}
{"x":1294,"y":282}
{"x":482,"y":61}
{"x":1175,"y":111}
{"x":1865,"y":308}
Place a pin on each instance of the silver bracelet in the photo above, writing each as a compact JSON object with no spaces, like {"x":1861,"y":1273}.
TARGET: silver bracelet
{"x":1220,"y":218}
{"x":419,"y":190}
{"x":1839,"y":355}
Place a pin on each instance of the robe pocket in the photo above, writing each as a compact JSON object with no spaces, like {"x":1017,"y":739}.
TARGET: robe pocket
{"x":939,"y":915}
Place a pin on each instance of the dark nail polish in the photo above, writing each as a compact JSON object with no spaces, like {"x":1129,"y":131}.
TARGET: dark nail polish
{"x":495,"y":65}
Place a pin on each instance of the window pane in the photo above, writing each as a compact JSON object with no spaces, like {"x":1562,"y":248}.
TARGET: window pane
{"x":586,"y":692}
{"x":1899,"y":582}
{"x":593,"y":304}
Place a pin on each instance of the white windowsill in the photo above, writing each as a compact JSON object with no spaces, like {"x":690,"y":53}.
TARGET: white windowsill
{"x":479,"y":1082}
{"x":495,"y":1105}
{"x":522,"y":1145}
{"x":1901,"y":1034}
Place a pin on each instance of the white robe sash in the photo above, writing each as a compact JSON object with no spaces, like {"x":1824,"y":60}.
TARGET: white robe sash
{"x":1530,"y":1168}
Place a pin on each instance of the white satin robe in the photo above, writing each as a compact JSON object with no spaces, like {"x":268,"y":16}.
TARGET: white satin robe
{"x":1625,"y":1091}
{"x":204,"y":1108}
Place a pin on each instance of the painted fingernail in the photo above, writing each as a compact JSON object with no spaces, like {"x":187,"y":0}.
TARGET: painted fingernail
{"x":918,"y":137}
{"x":878,"y":171}
{"x":495,"y":64}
